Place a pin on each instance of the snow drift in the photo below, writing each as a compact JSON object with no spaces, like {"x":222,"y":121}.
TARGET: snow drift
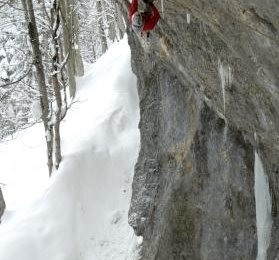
{"x":82,"y":215}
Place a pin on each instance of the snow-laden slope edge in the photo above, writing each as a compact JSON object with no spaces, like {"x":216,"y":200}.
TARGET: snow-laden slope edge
{"x":83,"y":214}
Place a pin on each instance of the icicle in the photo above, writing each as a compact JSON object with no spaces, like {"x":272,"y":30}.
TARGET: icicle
{"x":225,"y":133}
{"x":188,"y":18}
{"x":226,"y":79}
{"x":263,"y":208}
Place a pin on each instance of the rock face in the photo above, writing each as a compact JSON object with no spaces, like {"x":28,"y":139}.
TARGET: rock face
{"x":2,"y":204}
{"x":208,"y":81}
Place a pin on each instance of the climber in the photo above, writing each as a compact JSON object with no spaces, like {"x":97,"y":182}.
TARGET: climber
{"x":143,"y":21}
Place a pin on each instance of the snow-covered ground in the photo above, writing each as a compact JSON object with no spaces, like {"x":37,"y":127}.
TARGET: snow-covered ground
{"x":81,"y":213}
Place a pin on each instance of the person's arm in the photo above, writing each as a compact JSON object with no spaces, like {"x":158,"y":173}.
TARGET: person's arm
{"x":133,"y":9}
{"x":150,"y":23}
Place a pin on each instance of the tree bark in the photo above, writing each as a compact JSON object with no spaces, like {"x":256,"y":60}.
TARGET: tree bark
{"x":65,"y":7}
{"x":110,"y":14}
{"x":79,"y":68}
{"x":102,"y":35}
{"x":94,"y":54}
{"x":62,"y":74}
{"x":40,"y":76}
{"x":71,"y":42}
{"x":55,"y":23}
{"x":119,"y":21}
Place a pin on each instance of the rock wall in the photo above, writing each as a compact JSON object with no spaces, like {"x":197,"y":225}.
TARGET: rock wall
{"x":208,"y":83}
{"x":2,"y":204}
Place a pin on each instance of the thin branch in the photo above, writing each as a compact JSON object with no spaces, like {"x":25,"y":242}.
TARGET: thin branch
{"x":3,"y":4}
{"x":18,"y":80}
{"x":45,"y":11}
{"x":7,"y":93}
{"x":64,"y":62}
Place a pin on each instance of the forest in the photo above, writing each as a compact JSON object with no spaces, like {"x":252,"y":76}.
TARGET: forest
{"x":44,"y":46}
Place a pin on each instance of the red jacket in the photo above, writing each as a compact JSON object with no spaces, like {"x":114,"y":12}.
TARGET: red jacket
{"x":149,"y":21}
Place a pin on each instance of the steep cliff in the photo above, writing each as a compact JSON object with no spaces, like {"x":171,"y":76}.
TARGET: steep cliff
{"x":208,"y":82}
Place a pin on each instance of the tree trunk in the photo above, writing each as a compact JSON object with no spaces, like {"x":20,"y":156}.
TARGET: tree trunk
{"x":71,"y":42}
{"x":102,"y":35}
{"x":79,"y":68}
{"x":55,"y":23}
{"x":40,"y":76}
{"x":94,"y":50}
{"x":65,"y":7}
{"x":111,"y":23}
{"x":119,"y":20}
{"x":62,"y":74}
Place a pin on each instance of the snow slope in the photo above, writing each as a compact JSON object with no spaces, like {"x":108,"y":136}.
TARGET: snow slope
{"x":82,"y":215}
{"x":23,"y":167}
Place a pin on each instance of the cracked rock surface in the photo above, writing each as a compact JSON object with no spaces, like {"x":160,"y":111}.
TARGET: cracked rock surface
{"x":208,"y":82}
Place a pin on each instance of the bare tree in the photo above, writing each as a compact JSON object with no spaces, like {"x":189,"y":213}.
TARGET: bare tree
{"x":79,"y":68}
{"x":119,"y":20}
{"x":102,"y":35}
{"x":68,"y":10}
{"x":55,"y":24}
{"x":110,"y":12}
{"x":54,"y":35}
{"x":16,"y":90}
{"x":40,"y":76}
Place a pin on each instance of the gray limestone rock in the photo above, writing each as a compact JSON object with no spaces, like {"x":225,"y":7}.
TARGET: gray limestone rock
{"x":2,"y":204}
{"x":208,"y":81}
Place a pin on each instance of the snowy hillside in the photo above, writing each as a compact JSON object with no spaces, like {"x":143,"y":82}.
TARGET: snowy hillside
{"x":82,"y":214}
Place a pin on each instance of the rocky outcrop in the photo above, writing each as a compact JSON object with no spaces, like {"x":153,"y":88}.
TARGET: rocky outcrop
{"x":2,"y":204}
{"x":208,"y":83}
